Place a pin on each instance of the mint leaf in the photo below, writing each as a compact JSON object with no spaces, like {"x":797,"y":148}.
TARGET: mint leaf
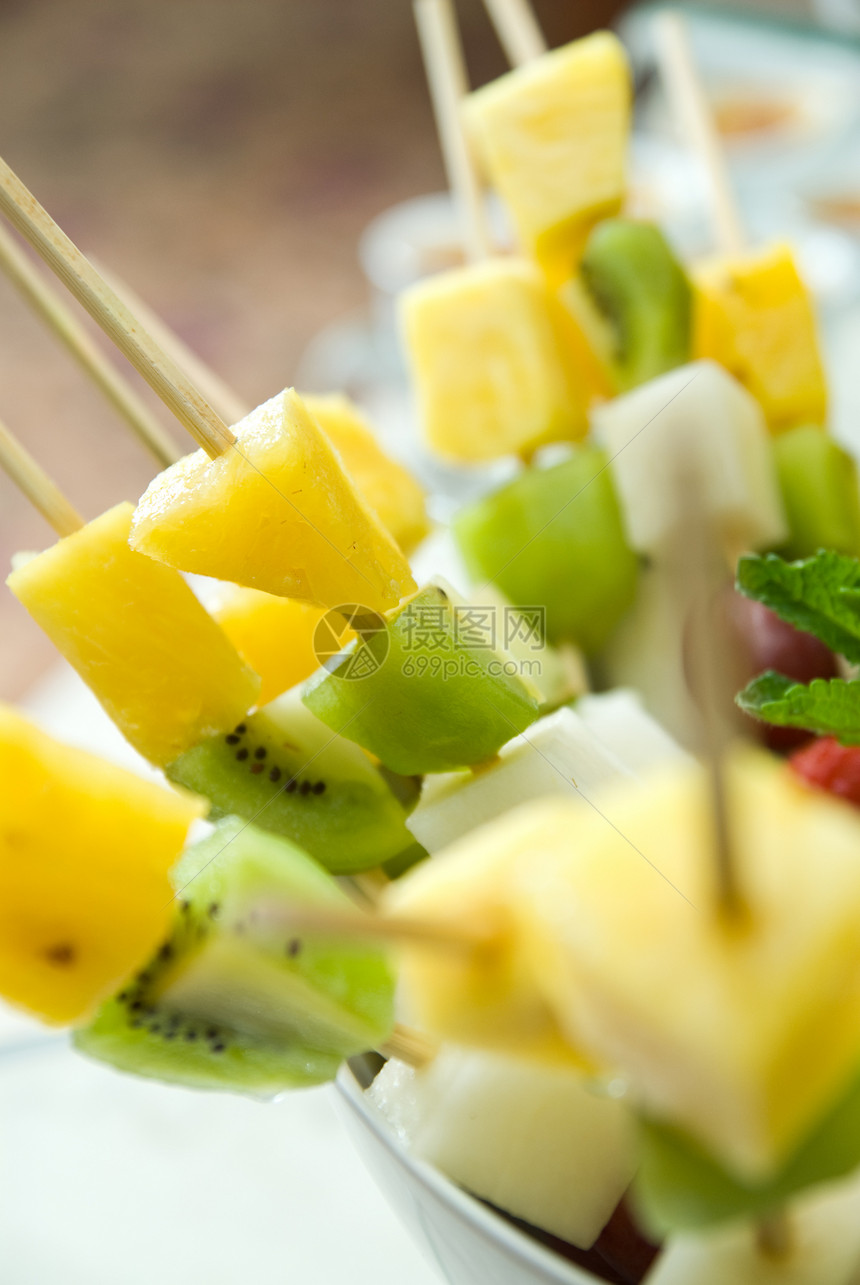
{"x":820,"y":595}
{"x":680,"y":1186}
{"x":830,"y":707}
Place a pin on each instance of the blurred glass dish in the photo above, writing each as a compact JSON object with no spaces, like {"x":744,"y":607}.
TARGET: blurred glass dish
{"x":468,"y":1243}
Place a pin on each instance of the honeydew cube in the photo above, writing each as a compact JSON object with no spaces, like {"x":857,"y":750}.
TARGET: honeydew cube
{"x":824,"y":1248}
{"x":700,"y":413}
{"x":646,"y":653}
{"x":536,"y":1141}
{"x":552,"y":136}
{"x":390,"y":489}
{"x":274,"y":635}
{"x":558,"y":755}
{"x":620,"y":720}
{"x":488,"y":360}
{"x":85,"y":854}
{"x":820,"y":492}
{"x":742,"y":1033}
{"x":157,"y":662}
{"x":754,"y":315}
{"x":275,"y":512}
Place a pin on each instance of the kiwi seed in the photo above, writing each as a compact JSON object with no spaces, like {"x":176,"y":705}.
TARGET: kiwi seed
{"x":242,"y":755}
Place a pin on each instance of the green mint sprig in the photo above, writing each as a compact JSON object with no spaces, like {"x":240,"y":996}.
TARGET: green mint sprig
{"x":821,"y":596}
{"x":826,"y":706}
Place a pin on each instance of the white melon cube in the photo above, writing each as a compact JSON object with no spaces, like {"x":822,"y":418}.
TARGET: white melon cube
{"x":700,"y":411}
{"x":536,"y":1141}
{"x":557,"y":755}
{"x":619,"y":719}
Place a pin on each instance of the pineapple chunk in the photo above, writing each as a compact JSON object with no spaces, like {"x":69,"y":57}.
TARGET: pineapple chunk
{"x":153,"y":657}
{"x":488,"y":361}
{"x":85,"y":851}
{"x":553,"y":137}
{"x":754,"y":316}
{"x":275,"y":512}
{"x":274,"y":635}
{"x":601,"y":929}
{"x":742,"y":1033}
{"x":486,"y":997}
{"x":390,"y":490}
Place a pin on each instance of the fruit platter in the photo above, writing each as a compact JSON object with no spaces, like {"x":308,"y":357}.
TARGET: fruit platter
{"x":535,"y":830}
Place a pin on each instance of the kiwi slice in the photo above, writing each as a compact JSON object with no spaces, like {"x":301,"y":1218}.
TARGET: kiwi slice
{"x":235,"y":1000}
{"x":428,"y":691}
{"x":554,"y":538}
{"x":634,"y":300}
{"x":820,"y":492}
{"x":284,"y":770}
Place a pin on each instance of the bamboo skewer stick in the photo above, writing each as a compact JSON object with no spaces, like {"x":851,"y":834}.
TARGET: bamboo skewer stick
{"x":691,"y":109}
{"x":518,"y":30}
{"x":364,"y":925}
{"x":446,"y":75}
{"x":64,"y":258}
{"x":696,"y":567}
{"x":40,"y":490}
{"x":51,"y":308}
{"x":409,"y":1046}
{"x":219,"y":394}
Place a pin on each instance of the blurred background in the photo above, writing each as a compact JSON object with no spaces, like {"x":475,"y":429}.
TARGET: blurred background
{"x":225,"y":158}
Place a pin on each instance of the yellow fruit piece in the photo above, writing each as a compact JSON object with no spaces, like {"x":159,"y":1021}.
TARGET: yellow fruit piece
{"x":274,"y":635}
{"x":275,"y":512}
{"x":85,"y":851}
{"x":390,"y":490}
{"x":605,"y":933}
{"x":754,"y":315}
{"x":487,"y":997}
{"x":553,"y":138}
{"x":153,"y":657}
{"x":742,"y":1032}
{"x":487,"y":354}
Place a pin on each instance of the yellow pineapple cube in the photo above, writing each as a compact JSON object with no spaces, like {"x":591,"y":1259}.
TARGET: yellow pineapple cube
{"x":275,"y":512}
{"x":274,"y":635}
{"x":602,"y":929}
{"x":754,"y":316}
{"x":390,"y":490}
{"x":85,"y":852}
{"x":552,"y":136}
{"x":488,"y":357}
{"x":486,"y":997}
{"x":155,"y":659}
{"x":742,"y":1032}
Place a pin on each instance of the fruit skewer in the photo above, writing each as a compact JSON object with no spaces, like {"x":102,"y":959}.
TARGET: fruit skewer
{"x":485,"y":342}
{"x":752,"y":312}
